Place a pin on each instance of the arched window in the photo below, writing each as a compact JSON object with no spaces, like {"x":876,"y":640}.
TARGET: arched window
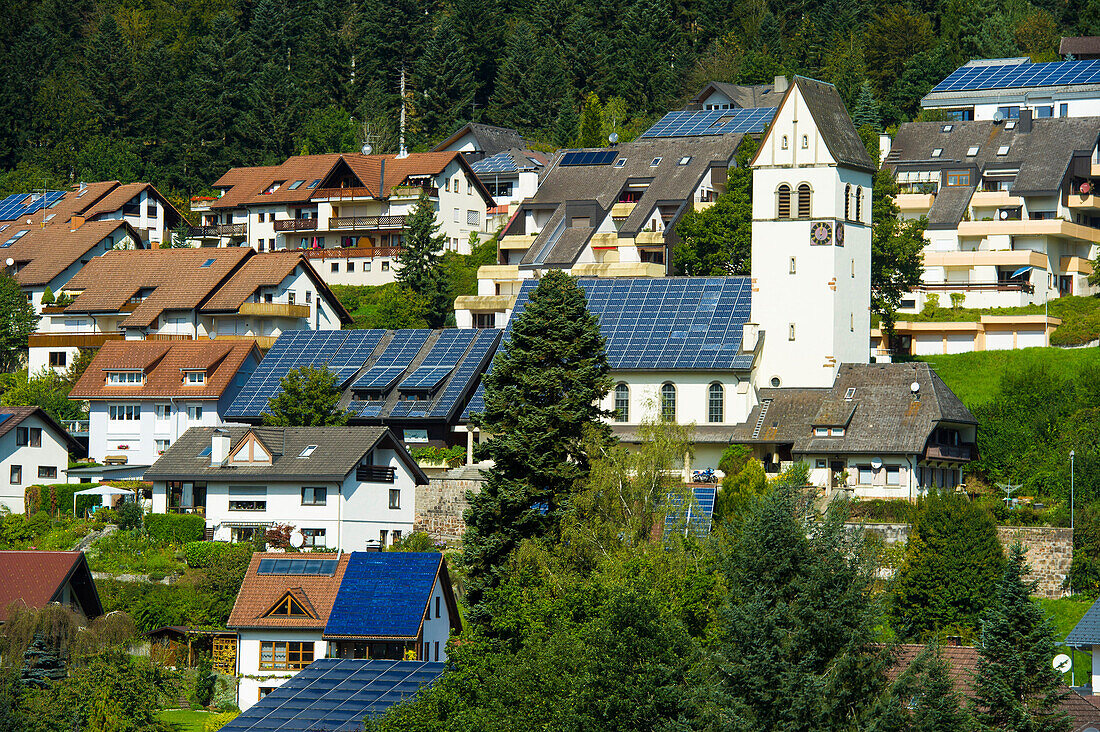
{"x":783,"y":144}
{"x":622,"y":402}
{"x":847,"y":203}
{"x":668,"y":402}
{"x":859,"y":203}
{"x":716,"y":397}
{"x":783,"y":206}
{"x":804,"y":201}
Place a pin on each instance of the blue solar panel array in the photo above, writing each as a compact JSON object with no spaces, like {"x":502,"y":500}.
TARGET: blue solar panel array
{"x":24,"y":204}
{"x":588,"y":157}
{"x":691,"y":513}
{"x":482,"y":348}
{"x":384,"y":594}
{"x":440,"y":361}
{"x":502,"y":162}
{"x":1021,"y":75}
{"x":298,"y":566}
{"x":336,"y":695}
{"x":337,"y":349}
{"x":754,"y":120}
{"x":394,"y":360}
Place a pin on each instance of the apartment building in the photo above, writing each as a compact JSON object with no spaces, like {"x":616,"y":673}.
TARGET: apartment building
{"x":184,"y":294}
{"x":510,"y":176}
{"x":346,"y":212}
{"x":1012,"y":215}
{"x":34,"y":450}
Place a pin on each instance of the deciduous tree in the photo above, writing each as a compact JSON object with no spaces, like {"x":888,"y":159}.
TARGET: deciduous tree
{"x":310,"y":397}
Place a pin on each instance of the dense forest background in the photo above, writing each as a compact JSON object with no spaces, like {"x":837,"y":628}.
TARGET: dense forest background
{"x":177,"y":92}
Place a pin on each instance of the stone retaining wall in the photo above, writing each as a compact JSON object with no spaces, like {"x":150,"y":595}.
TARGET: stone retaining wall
{"x":439,"y":507}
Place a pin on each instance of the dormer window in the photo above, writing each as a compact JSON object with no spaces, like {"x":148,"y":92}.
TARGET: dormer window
{"x":307,"y":451}
{"x":947,"y":128}
{"x":122,"y":378}
{"x":937,"y":152}
{"x":972,"y":151}
{"x":274,"y":187}
{"x":288,"y":607}
{"x":195,"y":378}
{"x":1002,"y":150}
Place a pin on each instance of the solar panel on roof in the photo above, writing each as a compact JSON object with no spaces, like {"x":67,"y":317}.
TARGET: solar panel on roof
{"x":502,"y":162}
{"x":691,"y":513}
{"x":588,"y":157}
{"x":297,"y":566}
{"x":399,"y":353}
{"x":754,"y":120}
{"x":383,"y":594}
{"x":1021,"y":75}
{"x":467,"y":371}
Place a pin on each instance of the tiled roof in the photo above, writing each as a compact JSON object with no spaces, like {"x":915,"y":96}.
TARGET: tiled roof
{"x":834,"y":124}
{"x":1087,"y":630}
{"x":45,"y":252}
{"x":35,"y":578}
{"x":490,"y":139}
{"x":123,"y":194}
{"x":264,"y":270}
{"x":338,"y":451}
{"x":177,"y":277}
{"x":163,"y":363}
{"x":1080,"y":46}
{"x":11,"y":417}
{"x":757,"y":95}
{"x":260,"y":592}
{"x":384,"y":594}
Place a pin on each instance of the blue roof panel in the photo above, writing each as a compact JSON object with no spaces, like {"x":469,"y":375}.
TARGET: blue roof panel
{"x":383,"y":594}
{"x":1021,"y":75}
{"x":692,"y":123}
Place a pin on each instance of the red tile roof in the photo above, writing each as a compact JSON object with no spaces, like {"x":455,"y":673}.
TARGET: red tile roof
{"x":36,"y":578}
{"x":259,"y":593}
{"x":45,"y":252}
{"x":163,"y":364}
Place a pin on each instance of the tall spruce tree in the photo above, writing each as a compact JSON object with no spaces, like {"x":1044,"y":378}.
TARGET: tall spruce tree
{"x":866,"y":109}
{"x":923,"y":699}
{"x":16,"y":324}
{"x":420,"y":270}
{"x":541,"y":413}
{"x":1016,"y":688}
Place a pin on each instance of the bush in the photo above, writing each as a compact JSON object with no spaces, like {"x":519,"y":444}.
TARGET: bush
{"x":450,"y":456}
{"x":216,"y":722}
{"x":204,"y":683}
{"x":171,"y":528}
{"x":106,"y":516}
{"x":881,"y":510}
{"x":199,"y":553}
{"x":57,"y":498}
{"x":130,"y":515}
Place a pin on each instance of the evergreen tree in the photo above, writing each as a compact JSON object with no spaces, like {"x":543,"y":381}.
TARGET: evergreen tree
{"x":590,"y":129}
{"x":936,"y":704}
{"x":43,"y":662}
{"x":419,"y":267}
{"x":951,"y":565}
{"x":16,"y":324}
{"x":448,"y":99}
{"x":897,"y":248}
{"x":542,"y":415}
{"x":1016,"y":688}
{"x":309,"y":397}
{"x":866,"y":109}
{"x":565,"y":128}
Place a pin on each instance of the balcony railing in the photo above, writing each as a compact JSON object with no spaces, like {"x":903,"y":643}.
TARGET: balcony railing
{"x":936,"y":451}
{"x":77,"y":427}
{"x":348,"y":252}
{"x":375,"y":474}
{"x":367,"y":222}
{"x":275,"y":309}
{"x":353,"y":192}
{"x":71,"y":340}
{"x":214,"y":231}
{"x":976,"y":287}
{"x":295,"y":224}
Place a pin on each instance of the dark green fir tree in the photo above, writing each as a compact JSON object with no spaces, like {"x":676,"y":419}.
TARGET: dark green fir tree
{"x":419,"y":261}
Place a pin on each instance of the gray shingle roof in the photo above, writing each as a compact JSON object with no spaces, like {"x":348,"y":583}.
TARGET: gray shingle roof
{"x":490,"y":139}
{"x":1080,"y":46}
{"x":339,"y":450}
{"x":949,"y":206}
{"x":834,"y":123}
{"x":1087,"y":630}
{"x":758,"y":95}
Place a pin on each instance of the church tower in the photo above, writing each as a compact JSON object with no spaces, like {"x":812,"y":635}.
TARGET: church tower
{"x":811,"y":240}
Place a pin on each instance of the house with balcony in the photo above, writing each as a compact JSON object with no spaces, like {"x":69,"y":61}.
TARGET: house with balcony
{"x":1010,"y":205}
{"x":143,"y":395}
{"x":339,"y":487}
{"x":510,"y":176}
{"x":1004,"y":88}
{"x":185,"y":294}
{"x":345,"y":211}
{"x":34,"y":450}
{"x":294,"y":609}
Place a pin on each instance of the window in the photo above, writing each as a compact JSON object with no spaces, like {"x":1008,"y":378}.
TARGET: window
{"x":307,"y":451}
{"x":162,"y":445}
{"x":793,"y":267}
{"x":836,"y":432}
{"x":385,"y":265}
{"x":162,"y":411}
{"x":124,"y":412}
{"x":313,"y":537}
{"x":194,"y":412}
{"x":264,"y":691}
{"x":655,"y":163}
{"x":196,"y":377}
{"x":314,"y":496}
{"x":1012,"y":112}
{"x":260,"y":218}
{"x":819,"y":464}
{"x":668,"y":402}
{"x":473,"y":218}
{"x":396,"y":536}
{"x":309,"y":293}
{"x":947,"y":128}
{"x":859,"y":203}
{"x":16,"y":474}
{"x":437,"y":650}
{"x":383,"y":535}
{"x":59,"y":359}
{"x":620,"y":162}
{"x":1044,"y":111}
{"x":972,"y":151}
{"x":1002,"y":150}
{"x":395,"y":498}
{"x":804,"y":201}
{"x":866,"y":475}
{"x":685,"y":160}
{"x":207,"y":263}
{"x":893,"y":476}
{"x":716,"y":396}
{"x":821,"y":431}
{"x":48,"y":472}
{"x":335,"y":266}
{"x":117,"y":378}
{"x":458,"y":185}
{"x":31,"y":436}
{"x":1063,"y":110}
{"x":286,"y":655}
{"x":290,"y":297}
{"x":783,"y":143}
{"x":239,"y":534}
{"x":240,"y":500}
{"x":937,"y":152}
{"x":847,"y":203}
{"x":288,"y":607}
{"x":456,"y":215}
{"x":15,"y":237}
{"x":958,"y":177}
{"x":790,"y":332}
{"x":783,"y":203}
{"x":805,"y":142}
{"x":296,"y":185}
{"x":622,"y":402}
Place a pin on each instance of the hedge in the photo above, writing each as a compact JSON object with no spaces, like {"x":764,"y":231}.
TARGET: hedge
{"x":56,"y":498}
{"x":172,"y":528}
{"x":202,"y":554}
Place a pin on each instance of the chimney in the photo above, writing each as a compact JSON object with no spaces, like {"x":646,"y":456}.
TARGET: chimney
{"x":382,"y":178}
{"x":76,"y":222}
{"x":779,"y":86}
{"x":1024,"y":125}
{"x":694,"y":106}
{"x":219,"y":447}
{"x":750,"y":332}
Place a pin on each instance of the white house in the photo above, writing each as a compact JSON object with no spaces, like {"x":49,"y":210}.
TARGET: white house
{"x":143,"y":395}
{"x":510,"y":176}
{"x":722,"y":95}
{"x":340,"y":487}
{"x":34,"y":449}
{"x":296,"y":608}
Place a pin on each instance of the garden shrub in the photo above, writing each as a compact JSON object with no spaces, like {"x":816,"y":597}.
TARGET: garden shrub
{"x":199,"y":553}
{"x":881,"y":510}
{"x":170,"y":528}
{"x":217,"y":721}
{"x":130,"y":515}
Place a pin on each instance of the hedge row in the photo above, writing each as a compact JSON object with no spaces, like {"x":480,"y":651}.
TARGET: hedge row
{"x":56,"y":499}
{"x":202,"y":554}
{"x":173,"y":528}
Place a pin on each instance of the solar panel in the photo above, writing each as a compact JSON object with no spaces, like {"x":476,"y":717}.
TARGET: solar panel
{"x":502,"y":162}
{"x":1021,"y":75}
{"x":693,"y":514}
{"x":588,"y":157}
{"x":298,"y":566}
{"x":399,"y":353}
{"x":444,"y":356}
{"x":4,"y":418}
{"x":482,"y":348}
{"x":754,"y":120}
{"x":336,"y":694}
{"x":383,"y":594}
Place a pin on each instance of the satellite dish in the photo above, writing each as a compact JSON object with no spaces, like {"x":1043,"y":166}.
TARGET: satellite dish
{"x":211,"y":335}
{"x":9,"y":261}
{"x":613,"y":137}
{"x":914,"y":387}
{"x":998,"y":116}
{"x":1003,"y":214}
{"x":876,"y":463}
{"x":1062,"y":663}
{"x":1085,"y":188}
{"x":296,"y":539}
{"x":366,"y":149}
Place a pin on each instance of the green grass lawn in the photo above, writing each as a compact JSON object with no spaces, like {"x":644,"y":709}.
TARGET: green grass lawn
{"x":1064,"y":614}
{"x":184,"y":720}
{"x":975,"y":377}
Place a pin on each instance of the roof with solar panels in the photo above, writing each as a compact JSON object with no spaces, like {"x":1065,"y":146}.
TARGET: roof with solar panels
{"x":985,"y":78}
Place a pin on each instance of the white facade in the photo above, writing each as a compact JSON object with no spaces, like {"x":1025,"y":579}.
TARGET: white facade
{"x":811,"y":297}
{"x":31,"y":453}
{"x":254,"y":682}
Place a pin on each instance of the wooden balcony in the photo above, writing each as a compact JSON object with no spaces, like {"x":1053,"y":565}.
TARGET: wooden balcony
{"x":216,"y":231}
{"x":295,"y":224}
{"x":71,"y":340}
{"x":960,"y":453}
{"x":367,"y":223}
{"x":169,"y":337}
{"x":376,"y":474}
{"x":343,"y":193}
{"x":352,"y":252}
{"x":275,"y":310}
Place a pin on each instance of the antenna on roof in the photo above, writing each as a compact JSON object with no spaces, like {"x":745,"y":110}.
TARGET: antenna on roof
{"x":401,"y":151}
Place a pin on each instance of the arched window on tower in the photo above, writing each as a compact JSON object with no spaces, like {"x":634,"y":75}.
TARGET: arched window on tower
{"x":859,"y":204}
{"x":804,"y":201}
{"x":716,"y":403}
{"x":622,"y":402}
{"x":847,"y":203}
{"x":783,"y":205}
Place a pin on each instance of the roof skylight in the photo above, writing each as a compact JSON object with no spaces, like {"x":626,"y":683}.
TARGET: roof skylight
{"x":937,"y":152}
{"x":296,"y":185}
{"x":1002,"y":150}
{"x":307,"y":451}
{"x":972,"y":151}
